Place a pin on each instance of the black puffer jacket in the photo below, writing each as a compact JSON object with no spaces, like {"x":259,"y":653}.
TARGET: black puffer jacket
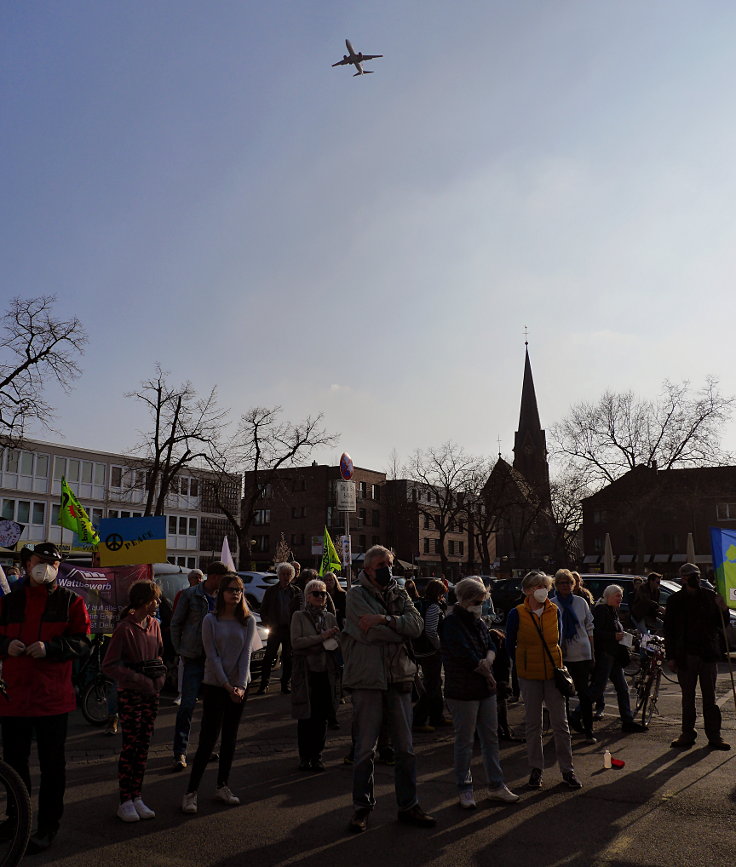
{"x":465,"y":641}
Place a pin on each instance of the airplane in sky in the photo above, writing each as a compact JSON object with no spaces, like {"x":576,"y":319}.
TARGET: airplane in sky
{"x":356,"y":60}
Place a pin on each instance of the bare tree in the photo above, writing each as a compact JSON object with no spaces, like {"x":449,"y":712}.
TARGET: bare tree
{"x":186,"y":428}
{"x":447,"y":472}
{"x":568,"y":489}
{"x":621,"y":431}
{"x":264,"y":444}
{"x":35,"y":346}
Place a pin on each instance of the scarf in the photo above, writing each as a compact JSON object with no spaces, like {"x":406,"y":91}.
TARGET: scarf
{"x":570,"y":622}
{"x":317,"y":616}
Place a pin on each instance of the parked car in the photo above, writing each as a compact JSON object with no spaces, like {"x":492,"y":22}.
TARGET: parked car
{"x":256,"y":584}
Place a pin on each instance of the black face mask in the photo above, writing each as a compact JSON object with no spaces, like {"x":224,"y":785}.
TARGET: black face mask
{"x":383,"y":576}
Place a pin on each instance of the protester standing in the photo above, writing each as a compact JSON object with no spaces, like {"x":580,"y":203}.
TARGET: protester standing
{"x":468,"y":653}
{"x":314,"y":674}
{"x":133,"y":660}
{"x":227,"y":636}
{"x":533,"y":639}
{"x":275,"y":612}
{"x":43,"y":628}
{"x":429,"y":711}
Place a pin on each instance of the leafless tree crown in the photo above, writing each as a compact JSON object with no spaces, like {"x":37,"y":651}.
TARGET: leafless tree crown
{"x":35,"y":346}
{"x":681,"y":428}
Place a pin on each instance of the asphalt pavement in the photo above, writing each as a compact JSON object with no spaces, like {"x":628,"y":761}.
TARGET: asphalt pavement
{"x":665,"y":807}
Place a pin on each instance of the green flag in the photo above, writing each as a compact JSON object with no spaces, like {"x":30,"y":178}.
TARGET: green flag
{"x":330,"y":558}
{"x":73,"y":517}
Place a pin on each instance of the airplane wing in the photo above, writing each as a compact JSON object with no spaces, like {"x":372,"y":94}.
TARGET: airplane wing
{"x":341,"y":63}
{"x":371,"y":56}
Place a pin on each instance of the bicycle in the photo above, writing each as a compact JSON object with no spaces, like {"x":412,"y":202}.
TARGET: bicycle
{"x":647,"y":680}
{"x":92,"y":686}
{"x":15,"y":804}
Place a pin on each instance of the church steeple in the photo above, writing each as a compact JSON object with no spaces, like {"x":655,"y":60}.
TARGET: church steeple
{"x":530,"y":441}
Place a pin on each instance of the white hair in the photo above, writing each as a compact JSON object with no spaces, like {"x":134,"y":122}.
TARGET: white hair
{"x":285,"y":568}
{"x":611,"y":589}
{"x":470,"y":588}
{"x":315,"y":584}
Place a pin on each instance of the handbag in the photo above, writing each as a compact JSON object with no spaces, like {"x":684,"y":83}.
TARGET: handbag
{"x":562,"y":677}
{"x":152,"y":668}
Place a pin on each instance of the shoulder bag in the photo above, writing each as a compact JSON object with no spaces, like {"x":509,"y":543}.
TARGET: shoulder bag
{"x":563,"y":679}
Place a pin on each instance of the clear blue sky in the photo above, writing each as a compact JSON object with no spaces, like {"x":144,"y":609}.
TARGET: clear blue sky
{"x":198,"y":184}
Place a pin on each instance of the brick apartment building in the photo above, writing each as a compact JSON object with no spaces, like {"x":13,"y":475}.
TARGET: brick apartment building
{"x":301,"y":502}
{"x":648,"y":514}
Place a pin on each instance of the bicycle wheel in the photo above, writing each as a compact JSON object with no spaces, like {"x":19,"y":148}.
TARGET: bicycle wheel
{"x":16,"y":829}
{"x":650,"y":700}
{"x":640,"y":682}
{"x":94,"y":701}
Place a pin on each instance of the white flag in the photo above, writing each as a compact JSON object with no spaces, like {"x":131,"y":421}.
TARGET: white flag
{"x":226,"y":557}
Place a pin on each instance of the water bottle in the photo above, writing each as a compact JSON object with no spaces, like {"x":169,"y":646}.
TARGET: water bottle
{"x":607,"y":759}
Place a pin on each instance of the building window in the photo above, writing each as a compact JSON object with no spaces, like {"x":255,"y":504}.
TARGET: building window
{"x":376,"y":493}
{"x":361,"y":542}
{"x":262,"y":543}
{"x":726,"y":511}
{"x":266,"y":492}
{"x":461,"y":527}
{"x":298,"y":511}
{"x":413,"y":495}
{"x":261,"y":517}
{"x":426,"y":546}
{"x":362,"y":490}
{"x":375,"y":518}
{"x":437,"y":548}
{"x":192,"y":526}
{"x":361,"y":515}
{"x":375,"y":540}
{"x":461,"y":548}
{"x":297,"y":538}
{"x":426,"y":522}
{"x":116,"y":477}
{"x":172,"y":524}
{"x":451,"y":547}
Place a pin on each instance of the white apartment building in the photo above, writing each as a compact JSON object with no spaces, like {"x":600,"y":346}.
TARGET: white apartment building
{"x":108,"y":487}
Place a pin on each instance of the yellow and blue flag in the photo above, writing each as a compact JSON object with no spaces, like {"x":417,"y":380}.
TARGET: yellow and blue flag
{"x":723,"y":546}
{"x":330,"y":558}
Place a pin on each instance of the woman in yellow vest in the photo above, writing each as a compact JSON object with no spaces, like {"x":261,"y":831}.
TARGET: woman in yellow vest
{"x":529,"y":628}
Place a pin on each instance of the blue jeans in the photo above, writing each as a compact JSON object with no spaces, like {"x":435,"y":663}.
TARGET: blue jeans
{"x":190,"y":683}
{"x":606,"y":667}
{"x":369,"y":707}
{"x":467,"y":718}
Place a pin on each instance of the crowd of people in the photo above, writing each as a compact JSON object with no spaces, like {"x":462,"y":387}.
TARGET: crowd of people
{"x":369,"y":643}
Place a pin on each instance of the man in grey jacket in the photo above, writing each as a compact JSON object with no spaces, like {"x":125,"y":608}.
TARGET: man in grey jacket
{"x":186,"y":636}
{"x":380,"y":619}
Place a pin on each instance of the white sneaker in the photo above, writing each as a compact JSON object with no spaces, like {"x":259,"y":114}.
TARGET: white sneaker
{"x":177,"y":700}
{"x":189,"y":803}
{"x":466,"y":799}
{"x":128,"y":813}
{"x":224,"y":794}
{"x":143,"y":811}
{"x":503,"y":793}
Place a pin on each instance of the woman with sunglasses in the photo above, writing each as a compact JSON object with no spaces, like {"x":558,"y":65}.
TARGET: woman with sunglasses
{"x":227,"y":636}
{"x":314,"y":677}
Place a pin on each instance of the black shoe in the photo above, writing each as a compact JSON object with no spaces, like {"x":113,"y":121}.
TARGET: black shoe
{"x":215,"y":757}
{"x":263,"y":689}
{"x":40,"y":842}
{"x":535,"y":779}
{"x":629,"y":726}
{"x":285,"y":690}
{"x":317,"y":765}
{"x":416,"y":816}
{"x":684,"y":742}
{"x":718,"y":744}
{"x":386,"y":756}
{"x":359,"y":822}
{"x":571,"y":781}
{"x":598,"y":715}
{"x":305,"y":765}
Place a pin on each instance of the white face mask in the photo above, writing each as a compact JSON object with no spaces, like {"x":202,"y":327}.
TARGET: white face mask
{"x":476,"y":610}
{"x":44,"y":573}
{"x":540,"y":594}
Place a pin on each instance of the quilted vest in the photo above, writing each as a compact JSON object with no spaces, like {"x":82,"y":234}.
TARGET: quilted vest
{"x":532,"y":662}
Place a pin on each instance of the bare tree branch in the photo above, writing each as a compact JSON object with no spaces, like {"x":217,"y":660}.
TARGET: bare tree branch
{"x":35,"y":346}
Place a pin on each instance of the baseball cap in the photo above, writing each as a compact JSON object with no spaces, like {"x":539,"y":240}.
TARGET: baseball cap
{"x":689,"y":569}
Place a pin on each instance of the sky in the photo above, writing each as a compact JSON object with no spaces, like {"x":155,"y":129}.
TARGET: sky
{"x":198,"y":184}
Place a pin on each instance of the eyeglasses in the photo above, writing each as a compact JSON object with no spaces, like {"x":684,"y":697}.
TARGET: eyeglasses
{"x":233,"y":589}
{"x":319,"y":593}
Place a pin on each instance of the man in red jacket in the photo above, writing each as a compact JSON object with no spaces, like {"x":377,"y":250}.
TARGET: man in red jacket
{"x":43,"y":627}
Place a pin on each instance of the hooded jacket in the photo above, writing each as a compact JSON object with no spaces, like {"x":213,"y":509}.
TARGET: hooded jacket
{"x":58,"y":617}
{"x":378,"y":658}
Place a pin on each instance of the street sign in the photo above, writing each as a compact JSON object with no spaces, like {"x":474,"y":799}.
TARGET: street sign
{"x":345,"y":494}
{"x":346,"y":551}
{"x":317,"y":545}
{"x":346,"y":467}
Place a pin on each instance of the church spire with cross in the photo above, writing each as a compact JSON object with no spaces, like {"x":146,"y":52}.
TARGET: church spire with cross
{"x":530,"y":441}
